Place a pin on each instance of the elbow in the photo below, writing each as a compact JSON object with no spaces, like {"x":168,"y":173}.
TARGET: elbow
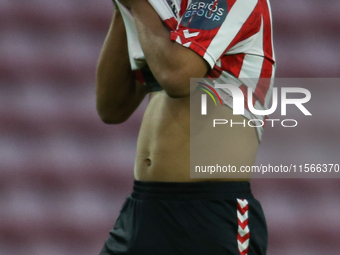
{"x":175,"y":86}
{"x":111,"y":117}
{"x":111,"y":120}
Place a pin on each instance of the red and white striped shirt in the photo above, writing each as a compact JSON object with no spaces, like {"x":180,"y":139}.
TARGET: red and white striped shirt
{"x":235,"y":38}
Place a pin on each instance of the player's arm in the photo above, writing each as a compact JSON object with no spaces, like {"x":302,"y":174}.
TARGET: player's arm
{"x":172,"y":64}
{"x":118,"y":93}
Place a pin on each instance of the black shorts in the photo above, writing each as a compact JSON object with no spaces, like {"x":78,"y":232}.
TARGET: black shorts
{"x":203,"y":218}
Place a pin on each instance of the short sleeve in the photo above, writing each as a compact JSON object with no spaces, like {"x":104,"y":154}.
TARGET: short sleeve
{"x":211,"y":27}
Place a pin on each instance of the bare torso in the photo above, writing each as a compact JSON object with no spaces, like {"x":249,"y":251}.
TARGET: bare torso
{"x":163,"y":148}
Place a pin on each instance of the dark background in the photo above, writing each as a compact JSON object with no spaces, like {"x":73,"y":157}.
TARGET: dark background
{"x":64,"y":174}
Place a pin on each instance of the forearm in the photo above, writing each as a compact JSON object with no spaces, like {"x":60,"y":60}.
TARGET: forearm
{"x":118,"y":94}
{"x":171,"y":64}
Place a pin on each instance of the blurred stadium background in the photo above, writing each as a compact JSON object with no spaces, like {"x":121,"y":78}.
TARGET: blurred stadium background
{"x":64,"y":174}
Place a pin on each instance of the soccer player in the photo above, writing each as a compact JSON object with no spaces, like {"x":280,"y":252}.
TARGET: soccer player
{"x":168,"y":212}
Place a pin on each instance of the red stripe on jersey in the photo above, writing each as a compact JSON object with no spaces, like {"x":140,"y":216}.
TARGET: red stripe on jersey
{"x":215,"y":72}
{"x":232,"y":63}
{"x":184,"y":5}
{"x":249,"y":28}
{"x":171,"y":23}
{"x":230,"y":3}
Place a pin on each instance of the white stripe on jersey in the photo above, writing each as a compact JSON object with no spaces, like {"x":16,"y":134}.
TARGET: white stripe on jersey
{"x":235,"y":19}
{"x":251,"y":70}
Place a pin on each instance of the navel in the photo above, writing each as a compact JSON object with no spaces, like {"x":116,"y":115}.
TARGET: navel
{"x":147,"y":161}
